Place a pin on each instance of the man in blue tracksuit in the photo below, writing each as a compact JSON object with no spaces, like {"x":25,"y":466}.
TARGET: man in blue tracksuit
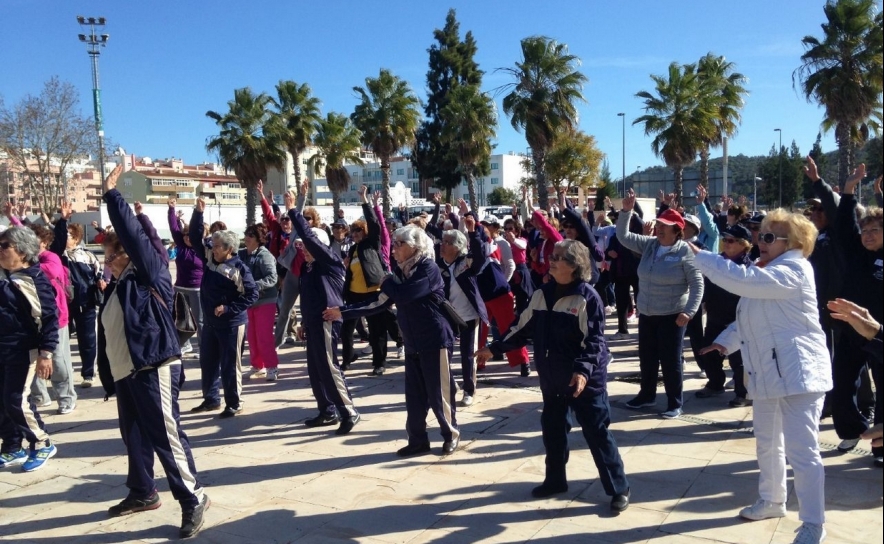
{"x":322,"y":286}
{"x":226,"y":292}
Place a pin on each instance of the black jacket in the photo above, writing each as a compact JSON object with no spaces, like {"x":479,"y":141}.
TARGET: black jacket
{"x":827,"y":259}
{"x":368,"y":251}
{"x":721,"y":304}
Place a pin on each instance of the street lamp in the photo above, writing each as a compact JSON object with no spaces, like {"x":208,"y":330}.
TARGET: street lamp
{"x":94,"y":42}
{"x":780,"y":166}
{"x":623,"y":174}
{"x":755,"y":192}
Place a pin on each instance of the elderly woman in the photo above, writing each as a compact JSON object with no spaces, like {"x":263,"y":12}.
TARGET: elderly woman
{"x":189,"y":263}
{"x":566,"y":319}
{"x":778,"y":330}
{"x":521,"y":284}
{"x":262,"y":265}
{"x":140,"y":361}
{"x":670,"y":292}
{"x":86,"y":279}
{"x":721,"y":311}
{"x":29,"y":321}
{"x":460,"y":260}
{"x":226,"y":293}
{"x":417,"y":289}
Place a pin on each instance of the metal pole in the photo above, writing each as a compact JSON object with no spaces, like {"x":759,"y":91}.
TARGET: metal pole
{"x":623,"y":173}
{"x":94,"y":42}
{"x":780,"y":166}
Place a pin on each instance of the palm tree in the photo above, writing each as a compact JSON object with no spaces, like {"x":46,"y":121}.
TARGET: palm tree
{"x":339,"y":143}
{"x":246,"y":142}
{"x":469,"y":125}
{"x":298,"y":115}
{"x":388,"y":117}
{"x":843,"y":71}
{"x":680,"y":117}
{"x":725,"y":87}
{"x":543,"y":99}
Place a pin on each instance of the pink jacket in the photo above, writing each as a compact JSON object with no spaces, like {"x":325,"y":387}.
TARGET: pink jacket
{"x":51,"y":265}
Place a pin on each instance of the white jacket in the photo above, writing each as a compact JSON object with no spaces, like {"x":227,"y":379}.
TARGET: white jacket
{"x":777,"y":327}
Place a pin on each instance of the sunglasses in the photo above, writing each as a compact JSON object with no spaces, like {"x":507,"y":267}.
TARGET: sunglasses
{"x":357,"y":229}
{"x":769,"y":238}
{"x":5,"y":245}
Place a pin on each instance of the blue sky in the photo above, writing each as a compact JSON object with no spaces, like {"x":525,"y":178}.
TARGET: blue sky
{"x":168,"y":61}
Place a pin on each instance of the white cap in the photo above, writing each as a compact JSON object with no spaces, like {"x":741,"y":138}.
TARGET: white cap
{"x":322,"y":235}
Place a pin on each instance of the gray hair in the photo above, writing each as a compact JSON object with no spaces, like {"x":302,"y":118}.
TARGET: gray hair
{"x":457,"y":239}
{"x":25,"y":242}
{"x":414,"y":236}
{"x":226,"y":239}
{"x":576,"y":254}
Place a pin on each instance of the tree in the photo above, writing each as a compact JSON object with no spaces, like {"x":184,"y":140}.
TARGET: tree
{"x":724,"y":88}
{"x":247,"y":142}
{"x":42,"y":135}
{"x":388,"y":117}
{"x":573,"y":161}
{"x":501,"y":196}
{"x":298,"y":116}
{"x":451,"y":64}
{"x":607,"y":187}
{"x":679,"y":117}
{"x":543,"y":99}
{"x":843,"y":72}
{"x":470,"y":123}
{"x":339,"y":143}
{"x":792,"y":162}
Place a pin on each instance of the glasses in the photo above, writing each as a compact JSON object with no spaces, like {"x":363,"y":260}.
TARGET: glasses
{"x":870,"y":232}
{"x":769,"y":238}
{"x":113,"y":256}
{"x":5,"y":245}
{"x":399,"y":243}
{"x":729,"y":240}
{"x":355,"y":230}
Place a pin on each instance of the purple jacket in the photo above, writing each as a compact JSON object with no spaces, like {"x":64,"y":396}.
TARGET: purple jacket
{"x":188,"y":263}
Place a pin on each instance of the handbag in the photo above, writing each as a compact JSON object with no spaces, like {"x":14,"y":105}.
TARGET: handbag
{"x":182,"y":315}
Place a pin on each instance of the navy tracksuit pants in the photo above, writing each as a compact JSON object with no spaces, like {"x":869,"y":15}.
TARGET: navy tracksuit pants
{"x":429,"y":385}
{"x":329,"y":385}
{"x":221,"y":363}
{"x":87,"y":344}
{"x":147,"y":402}
{"x":594,"y":415}
{"x":19,"y":419}
{"x":469,"y":337}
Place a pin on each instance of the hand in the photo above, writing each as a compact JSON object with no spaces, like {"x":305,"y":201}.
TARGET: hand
{"x":682,"y":319}
{"x":629,"y":202}
{"x":608,"y":202}
{"x":661,"y":196}
{"x":714,"y":347}
{"x":672,"y":199}
{"x":111,"y":180}
{"x":836,"y":189}
{"x":102,"y":284}
{"x":469,"y":222}
{"x":301,"y":333}
{"x":856,"y":316}
{"x":260,"y":188}
{"x":7,"y":209}
{"x":172,"y":201}
{"x":701,"y":194}
{"x":346,"y":262}
{"x":742,"y":201}
{"x":138,"y":208}
{"x":201,"y":204}
{"x":694,"y":248}
{"x":44,"y":367}
{"x":363,"y":192}
{"x":270,"y":195}
{"x":462,"y":206}
{"x":288,"y":200}
{"x":332,"y":314}
{"x":437,"y":198}
{"x":483,"y":355}
{"x":810,"y":169}
{"x":509,"y":236}
{"x":94,"y":224}
{"x":857,"y":176}
{"x":578,"y":382}
{"x":376,"y":197}
{"x":613,"y":254}
{"x":876,"y":435}
{"x":305,"y":187}
{"x":180,"y":214}
{"x":448,"y":208}
{"x":219,"y":310}
{"x":648,"y":228}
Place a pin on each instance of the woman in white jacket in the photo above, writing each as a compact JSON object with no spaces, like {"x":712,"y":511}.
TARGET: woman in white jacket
{"x":786,"y":363}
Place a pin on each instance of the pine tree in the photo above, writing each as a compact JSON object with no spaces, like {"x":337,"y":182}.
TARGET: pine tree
{"x":451,"y":64}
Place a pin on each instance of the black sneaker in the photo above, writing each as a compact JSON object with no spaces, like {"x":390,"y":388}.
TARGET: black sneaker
{"x":347,"y":424}
{"x":545,"y":490}
{"x":206,"y":406}
{"x":414,"y":449}
{"x":192,"y":518}
{"x":450,"y":446}
{"x":525,"y":370}
{"x":230,"y":411}
{"x":130,"y":505}
{"x":739,"y":402}
{"x":378,"y":371}
{"x":708,"y":392}
{"x":638,"y":403}
{"x":620,"y":502}
{"x":321,"y":420}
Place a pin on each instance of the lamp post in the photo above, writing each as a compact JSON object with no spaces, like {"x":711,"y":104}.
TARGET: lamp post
{"x":94,"y":42}
{"x":780,"y":166}
{"x":623,"y":174}
{"x":755,"y":192}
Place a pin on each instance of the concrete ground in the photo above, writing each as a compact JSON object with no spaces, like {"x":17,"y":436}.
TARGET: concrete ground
{"x":272,"y":480}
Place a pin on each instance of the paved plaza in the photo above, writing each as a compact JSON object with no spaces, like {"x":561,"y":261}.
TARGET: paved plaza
{"x":273,"y":480}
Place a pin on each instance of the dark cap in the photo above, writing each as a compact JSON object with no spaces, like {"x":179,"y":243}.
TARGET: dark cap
{"x":755,"y":218}
{"x":340,"y":222}
{"x":738,"y":231}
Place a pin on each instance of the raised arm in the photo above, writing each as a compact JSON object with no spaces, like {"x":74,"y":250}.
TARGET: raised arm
{"x":151,"y":233}
{"x":822,"y":190}
{"x":584,"y":233}
{"x":771,"y":282}
{"x":134,"y":240}
{"x":847,"y":230}
{"x":317,"y":249}
{"x":541,"y":223}
{"x":174,"y":225}
{"x":629,"y":240}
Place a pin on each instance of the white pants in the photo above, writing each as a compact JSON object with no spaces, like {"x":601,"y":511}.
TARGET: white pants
{"x":788,"y":427}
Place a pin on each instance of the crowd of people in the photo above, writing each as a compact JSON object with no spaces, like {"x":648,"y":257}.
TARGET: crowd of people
{"x":793,"y":301}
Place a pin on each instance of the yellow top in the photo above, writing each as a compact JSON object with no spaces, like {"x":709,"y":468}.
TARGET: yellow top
{"x":357,"y":284}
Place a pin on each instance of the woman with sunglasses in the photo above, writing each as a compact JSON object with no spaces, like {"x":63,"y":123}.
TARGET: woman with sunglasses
{"x":262,"y":350}
{"x":139,"y":360}
{"x":188,"y":268}
{"x":29,"y":321}
{"x":778,"y":331}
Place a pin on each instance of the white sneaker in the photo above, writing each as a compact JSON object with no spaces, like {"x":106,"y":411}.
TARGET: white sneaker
{"x":86,"y":383}
{"x":400,"y":352}
{"x":186,"y":348}
{"x":467,"y":400}
{"x":729,"y":385}
{"x":65,"y":410}
{"x":763,"y":509}
{"x":272,"y":374}
{"x":810,"y":533}
{"x":258,"y":373}
{"x":44,"y":404}
{"x":366,"y":350}
{"x":703,"y":374}
{"x":610,"y":310}
{"x":620,"y":336}
{"x":848,"y":445}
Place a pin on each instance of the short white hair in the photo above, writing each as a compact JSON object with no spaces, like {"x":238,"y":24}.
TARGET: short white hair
{"x":414,"y":236}
{"x":457,"y":239}
{"x":226,"y":239}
